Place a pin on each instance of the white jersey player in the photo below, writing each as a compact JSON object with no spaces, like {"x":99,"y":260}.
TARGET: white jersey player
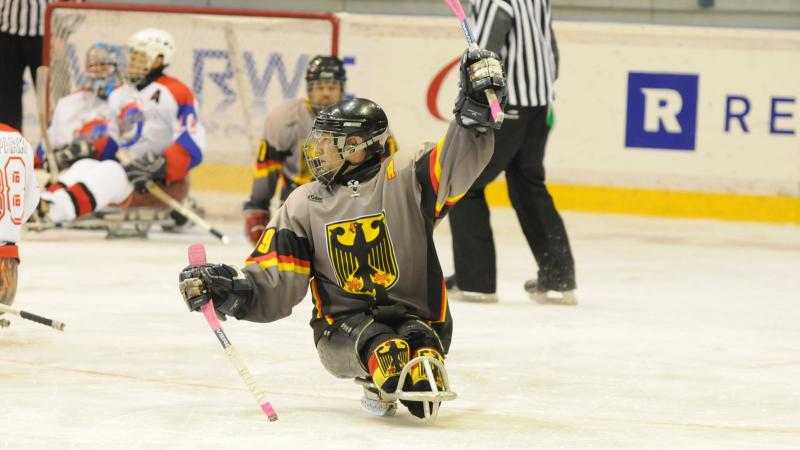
{"x":155,"y":123}
{"x":80,"y":122}
{"x":19,"y":200}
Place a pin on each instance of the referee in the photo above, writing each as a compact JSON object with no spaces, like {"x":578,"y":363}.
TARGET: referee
{"x":520,"y":32}
{"x":21,"y":31}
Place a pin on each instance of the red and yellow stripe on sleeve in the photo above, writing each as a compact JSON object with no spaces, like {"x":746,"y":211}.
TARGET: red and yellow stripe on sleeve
{"x":284,"y":263}
{"x":264,"y":169}
{"x":448,"y":202}
{"x":435,"y":167}
{"x":435,"y":171}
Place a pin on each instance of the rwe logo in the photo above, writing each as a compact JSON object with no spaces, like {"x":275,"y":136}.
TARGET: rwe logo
{"x":662,"y":111}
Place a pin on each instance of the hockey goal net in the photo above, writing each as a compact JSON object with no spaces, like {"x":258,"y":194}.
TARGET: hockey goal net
{"x":238,"y":63}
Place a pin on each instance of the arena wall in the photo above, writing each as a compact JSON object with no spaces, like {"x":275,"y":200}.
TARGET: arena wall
{"x":654,"y":120}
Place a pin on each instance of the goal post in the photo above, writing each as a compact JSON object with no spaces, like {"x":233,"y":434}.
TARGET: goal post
{"x":239,"y":63}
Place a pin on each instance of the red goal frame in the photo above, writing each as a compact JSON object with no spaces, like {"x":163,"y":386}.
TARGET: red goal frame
{"x":123,"y":7}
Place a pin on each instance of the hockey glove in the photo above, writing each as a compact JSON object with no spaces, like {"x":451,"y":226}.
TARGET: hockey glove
{"x":67,"y":155}
{"x":228,"y":286}
{"x":149,"y":167}
{"x":480,"y":70}
{"x":255,"y":221}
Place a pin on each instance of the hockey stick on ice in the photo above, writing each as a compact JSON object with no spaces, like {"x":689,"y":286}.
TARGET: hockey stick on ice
{"x":42,"y":78}
{"x":497,"y":112}
{"x":197,"y":256}
{"x":33,"y":317}
{"x":159,"y":193}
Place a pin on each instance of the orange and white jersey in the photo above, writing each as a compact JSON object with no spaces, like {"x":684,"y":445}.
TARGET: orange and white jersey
{"x":160,"y":119}
{"x":82,"y":115}
{"x":19,"y":190}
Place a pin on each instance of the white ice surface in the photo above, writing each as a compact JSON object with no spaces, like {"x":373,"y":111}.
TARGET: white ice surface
{"x":687,"y":337}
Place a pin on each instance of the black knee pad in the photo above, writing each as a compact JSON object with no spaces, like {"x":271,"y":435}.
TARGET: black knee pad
{"x":341,"y":345}
{"x":419,"y":334}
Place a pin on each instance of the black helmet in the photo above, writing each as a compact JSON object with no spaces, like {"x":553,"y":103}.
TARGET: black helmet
{"x":326,"y":68}
{"x":336,"y":125}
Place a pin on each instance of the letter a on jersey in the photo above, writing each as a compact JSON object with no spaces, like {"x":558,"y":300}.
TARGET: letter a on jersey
{"x":362,"y":255}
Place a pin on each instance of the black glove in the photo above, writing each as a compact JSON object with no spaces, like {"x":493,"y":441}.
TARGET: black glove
{"x":146,"y":168}
{"x":480,"y":70}
{"x":228,"y":286}
{"x":65,"y":156}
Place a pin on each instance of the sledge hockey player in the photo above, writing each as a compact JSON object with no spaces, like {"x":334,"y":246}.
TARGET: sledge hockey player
{"x":280,"y":154}
{"x":362,"y":237}
{"x":155,"y":125}
{"x":79,"y":126}
{"x":19,"y":200}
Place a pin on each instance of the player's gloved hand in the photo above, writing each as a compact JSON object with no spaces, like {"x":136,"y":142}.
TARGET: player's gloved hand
{"x":67,"y":155}
{"x":255,"y":221}
{"x":146,"y":168}
{"x":480,"y":70}
{"x":228,"y":286}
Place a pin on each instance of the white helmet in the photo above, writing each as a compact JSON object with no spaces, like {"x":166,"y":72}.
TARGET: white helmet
{"x":153,"y":43}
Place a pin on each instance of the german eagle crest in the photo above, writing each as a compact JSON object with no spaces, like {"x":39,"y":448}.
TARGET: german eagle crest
{"x":362,"y":255}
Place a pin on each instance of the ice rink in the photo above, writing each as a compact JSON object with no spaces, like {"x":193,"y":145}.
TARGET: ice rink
{"x":687,"y":337}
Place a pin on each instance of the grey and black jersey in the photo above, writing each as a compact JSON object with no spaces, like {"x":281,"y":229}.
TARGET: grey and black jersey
{"x":357,"y":243}
{"x":280,"y":153}
{"x":23,"y":17}
{"x":520,"y":32}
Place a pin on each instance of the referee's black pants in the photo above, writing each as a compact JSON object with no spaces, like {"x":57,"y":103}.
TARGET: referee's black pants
{"x":519,"y":150}
{"x":16,"y":53}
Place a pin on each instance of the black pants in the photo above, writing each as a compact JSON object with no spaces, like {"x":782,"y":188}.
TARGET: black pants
{"x":519,"y":150}
{"x":16,"y":53}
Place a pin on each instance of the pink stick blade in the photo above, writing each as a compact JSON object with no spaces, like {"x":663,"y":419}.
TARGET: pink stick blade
{"x":497,"y":113}
{"x":455,"y":6}
{"x":197,"y":254}
{"x":211,"y":315}
{"x":269,"y":411}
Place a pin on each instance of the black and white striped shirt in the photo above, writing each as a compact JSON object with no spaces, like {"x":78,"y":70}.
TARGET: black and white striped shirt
{"x":23,"y":17}
{"x":526,"y":45}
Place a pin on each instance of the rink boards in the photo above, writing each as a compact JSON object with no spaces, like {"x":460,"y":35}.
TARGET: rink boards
{"x":654,"y":120}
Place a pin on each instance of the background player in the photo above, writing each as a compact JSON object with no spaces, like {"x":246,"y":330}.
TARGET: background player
{"x":79,"y":127}
{"x":280,"y":154}
{"x":19,"y":200}
{"x":156,"y":124}
{"x":364,"y":231}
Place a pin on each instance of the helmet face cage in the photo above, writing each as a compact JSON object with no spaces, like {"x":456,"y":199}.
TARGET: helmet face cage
{"x":102,"y":69}
{"x":327,"y":151}
{"x":324,"y":152}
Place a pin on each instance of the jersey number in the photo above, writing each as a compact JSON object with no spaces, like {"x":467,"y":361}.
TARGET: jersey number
{"x":12,"y":189}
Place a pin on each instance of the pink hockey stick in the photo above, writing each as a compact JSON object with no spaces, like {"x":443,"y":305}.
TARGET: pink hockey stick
{"x":497,"y":112}
{"x":197,"y":256}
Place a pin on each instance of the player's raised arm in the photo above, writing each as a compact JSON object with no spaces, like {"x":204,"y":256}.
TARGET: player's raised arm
{"x":445,"y":171}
